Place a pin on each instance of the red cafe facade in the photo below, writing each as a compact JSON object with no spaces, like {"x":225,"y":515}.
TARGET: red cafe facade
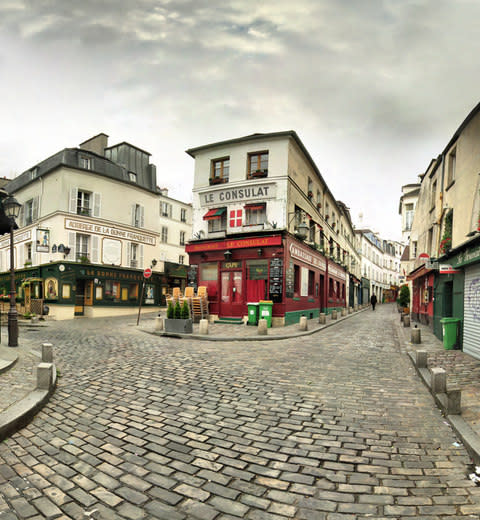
{"x":274,"y":266}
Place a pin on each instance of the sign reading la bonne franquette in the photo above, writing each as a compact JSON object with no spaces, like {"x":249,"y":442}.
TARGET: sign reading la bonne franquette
{"x":241,"y":194}
{"x":98,"y":229}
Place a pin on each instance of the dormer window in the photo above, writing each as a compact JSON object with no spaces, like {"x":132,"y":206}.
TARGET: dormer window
{"x":85,"y":162}
{"x":132,"y":176}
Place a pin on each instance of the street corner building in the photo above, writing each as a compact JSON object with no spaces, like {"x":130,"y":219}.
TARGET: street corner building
{"x":267,"y":231}
{"x":92,"y":220}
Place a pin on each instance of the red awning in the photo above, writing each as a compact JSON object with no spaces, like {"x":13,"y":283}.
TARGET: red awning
{"x":213,"y":214}
{"x":252,"y":207}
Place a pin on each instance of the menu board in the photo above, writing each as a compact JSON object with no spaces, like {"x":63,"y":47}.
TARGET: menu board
{"x":192,"y":276}
{"x":289,"y":280}
{"x":276,"y":279}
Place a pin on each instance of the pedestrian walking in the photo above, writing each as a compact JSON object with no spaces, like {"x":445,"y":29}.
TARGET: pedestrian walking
{"x":373,"y":301}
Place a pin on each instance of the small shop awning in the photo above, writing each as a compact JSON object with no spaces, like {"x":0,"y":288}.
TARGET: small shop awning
{"x":252,"y":207}
{"x":213,"y":214}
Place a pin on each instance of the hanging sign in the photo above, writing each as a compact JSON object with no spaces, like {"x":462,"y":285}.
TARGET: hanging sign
{"x":447,"y":269}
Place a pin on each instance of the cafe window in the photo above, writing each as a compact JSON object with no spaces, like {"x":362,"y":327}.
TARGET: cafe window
{"x":296,"y":280}
{"x":311,"y":283}
{"x":331,"y":288}
{"x":257,"y":280}
{"x":208,"y":272}
{"x":133,"y":291}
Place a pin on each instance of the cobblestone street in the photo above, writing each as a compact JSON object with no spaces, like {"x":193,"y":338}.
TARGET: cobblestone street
{"x":331,"y":426}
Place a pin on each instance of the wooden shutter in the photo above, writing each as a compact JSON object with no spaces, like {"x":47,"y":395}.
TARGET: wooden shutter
{"x":140,"y":257}
{"x":129,"y":252}
{"x":34,"y":209}
{"x":94,"y":254}
{"x":73,"y":200}
{"x":71,"y":244}
{"x":97,"y":201}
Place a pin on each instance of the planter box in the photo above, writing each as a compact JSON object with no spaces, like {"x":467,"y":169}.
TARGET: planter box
{"x":178,"y":326}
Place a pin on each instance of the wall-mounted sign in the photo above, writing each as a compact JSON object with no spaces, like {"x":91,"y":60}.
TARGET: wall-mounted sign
{"x":98,"y":229}
{"x":222,"y":245}
{"x":240,"y":194}
{"x":43,"y":240}
{"x":307,"y":257}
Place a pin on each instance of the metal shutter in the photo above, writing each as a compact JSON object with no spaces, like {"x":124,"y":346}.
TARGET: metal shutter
{"x":471,"y":325}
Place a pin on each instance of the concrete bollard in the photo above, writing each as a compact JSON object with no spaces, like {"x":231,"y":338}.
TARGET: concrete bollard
{"x":438,"y":380}
{"x":159,"y":323}
{"x":322,"y":319}
{"x":203,"y":327}
{"x":44,"y":376}
{"x":406,"y":321}
{"x":416,"y":336}
{"x":343,"y":312}
{"x":350,"y":310}
{"x":454,"y":405}
{"x":262,"y":327}
{"x":421,"y":358}
{"x":355,"y":308}
{"x":334,"y":315}
{"x":303,"y":325}
{"x":47,"y":353}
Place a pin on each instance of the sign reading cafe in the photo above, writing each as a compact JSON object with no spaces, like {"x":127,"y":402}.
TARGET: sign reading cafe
{"x":241,"y":194}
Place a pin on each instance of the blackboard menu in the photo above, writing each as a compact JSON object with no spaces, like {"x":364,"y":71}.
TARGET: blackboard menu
{"x":289,"y":281}
{"x":192,"y":276}
{"x":276,"y":279}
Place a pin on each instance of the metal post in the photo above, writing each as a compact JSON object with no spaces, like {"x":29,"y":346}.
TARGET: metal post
{"x":12,"y":313}
{"x":141,"y":300}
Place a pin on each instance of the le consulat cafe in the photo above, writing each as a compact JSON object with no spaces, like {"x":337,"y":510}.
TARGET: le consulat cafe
{"x":245,"y":257}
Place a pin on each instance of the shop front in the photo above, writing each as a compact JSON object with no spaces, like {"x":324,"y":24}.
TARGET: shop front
{"x":421,"y":299}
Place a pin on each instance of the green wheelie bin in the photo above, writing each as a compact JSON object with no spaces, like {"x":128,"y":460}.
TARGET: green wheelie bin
{"x":265,"y":310}
{"x":450,"y":332}
{"x":252,"y":313}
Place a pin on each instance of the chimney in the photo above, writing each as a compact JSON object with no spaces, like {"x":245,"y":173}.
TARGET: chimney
{"x":96,"y":144}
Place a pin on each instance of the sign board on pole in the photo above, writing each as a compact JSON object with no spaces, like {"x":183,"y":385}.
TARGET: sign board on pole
{"x":147,"y":273}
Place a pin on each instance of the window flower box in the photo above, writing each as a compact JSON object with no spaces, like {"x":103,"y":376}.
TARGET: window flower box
{"x":310,"y":194}
{"x":217,"y":180}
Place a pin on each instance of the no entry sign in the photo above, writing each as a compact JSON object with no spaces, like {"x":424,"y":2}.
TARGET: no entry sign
{"x":147,"y":273}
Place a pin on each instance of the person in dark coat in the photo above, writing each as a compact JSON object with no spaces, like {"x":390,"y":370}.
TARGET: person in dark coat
{"x":373,"y":301}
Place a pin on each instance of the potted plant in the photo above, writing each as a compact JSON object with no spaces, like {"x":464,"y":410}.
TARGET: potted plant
{"x":178,"y":318}
{"x":404,"y":299}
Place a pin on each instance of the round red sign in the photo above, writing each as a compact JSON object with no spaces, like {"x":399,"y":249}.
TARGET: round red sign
{"x":147,"y":273}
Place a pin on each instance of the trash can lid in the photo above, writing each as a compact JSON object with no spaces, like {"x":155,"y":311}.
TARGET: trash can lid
{"x":253,"y":303}
{"x":450,"y":320}
{"x":266,"y":301}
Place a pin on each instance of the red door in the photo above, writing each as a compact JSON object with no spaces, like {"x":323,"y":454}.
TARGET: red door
{"x":231,"y":294}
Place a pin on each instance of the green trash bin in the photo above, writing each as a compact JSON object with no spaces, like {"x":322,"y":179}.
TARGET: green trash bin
{"x":252,"y":313}
{"x":450,"y":332}
{"x":265,"y":311}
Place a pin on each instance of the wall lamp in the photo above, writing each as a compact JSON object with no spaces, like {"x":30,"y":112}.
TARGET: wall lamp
{"x":302,"y":228}
{"x":227,"y":254}
{"x":259,"y":251}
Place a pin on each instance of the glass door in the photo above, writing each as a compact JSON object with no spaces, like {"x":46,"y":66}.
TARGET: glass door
{"x":231,"y":295}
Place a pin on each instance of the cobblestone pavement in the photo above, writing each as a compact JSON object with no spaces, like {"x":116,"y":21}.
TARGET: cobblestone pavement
{"x":332,"y":426}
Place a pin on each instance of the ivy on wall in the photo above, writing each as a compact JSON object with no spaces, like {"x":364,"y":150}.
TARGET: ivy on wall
{"x":446,"y":243}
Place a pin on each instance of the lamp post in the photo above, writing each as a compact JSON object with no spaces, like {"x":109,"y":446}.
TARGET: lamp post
{"x":11,"y":207}
{"x":301,"y":229}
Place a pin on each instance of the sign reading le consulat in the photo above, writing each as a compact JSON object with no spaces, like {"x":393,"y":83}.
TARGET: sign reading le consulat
{"x":241,"y":194}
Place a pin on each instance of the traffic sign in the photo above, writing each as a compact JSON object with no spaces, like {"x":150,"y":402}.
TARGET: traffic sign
{"x":147,"y":273}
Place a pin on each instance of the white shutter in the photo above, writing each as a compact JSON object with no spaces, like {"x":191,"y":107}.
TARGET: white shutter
{"x":34,"y":254}
{"x":142,"y":216}
{"x":133,"y":214}
{"x":97,"y":200}
{"x":72,"y":236}
{"x":21,"y":216}
{"x":471,"y":314}
{"x":94,"y":253}
{"x":21,"y":255}
{"x":129,"y":250}
{"x":140,"y":257}
{"x":73,"y":200}
{"x":35,"y":209}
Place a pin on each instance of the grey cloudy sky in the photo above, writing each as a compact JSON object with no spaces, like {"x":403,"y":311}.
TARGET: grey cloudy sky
{"x":374,"y":88}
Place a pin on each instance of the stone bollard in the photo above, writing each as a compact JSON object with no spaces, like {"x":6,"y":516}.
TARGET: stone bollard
{"x":159,"y":324}
{"x":47,"y":353}
{"x":343,"y":312}
{"x":262,"y":327}
{"x":454,"y":398}
{"x":416,"y":335}
{"x":203,"y":327}
{"x":44,"y":376}
{"x":438,"y":380}
{"x":350,"y":310}
{"x":355,"y":308}
{"x":406,"y":321}
{"x":322,"y":319}
{"x":421,"y":358}
{"x":303,"y":325}
{"x":334,"y":315}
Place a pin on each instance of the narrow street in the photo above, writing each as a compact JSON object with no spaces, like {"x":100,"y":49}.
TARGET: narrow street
{"x":332,"y":426}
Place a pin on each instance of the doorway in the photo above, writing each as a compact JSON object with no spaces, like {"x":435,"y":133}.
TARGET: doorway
{"x":231,"y":294}
{"x":84,"y":296}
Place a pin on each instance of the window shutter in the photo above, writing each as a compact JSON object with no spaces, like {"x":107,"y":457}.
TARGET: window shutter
{"x":97,"y":200}
{"x":73,"y":200}
{"x":35,"y":209}
{"x":21,"y":255}
{"x":142,"y":216}
{"x":94,"y":254}
{"x":21,"y":216}
{"x":133,"y":214}
{"x":34,"y":253}
{"x":71,"y":244}
{"x":129,"y":253}
{"x":140,"y":257}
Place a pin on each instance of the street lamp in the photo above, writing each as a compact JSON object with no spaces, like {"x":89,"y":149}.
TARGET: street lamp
{"x":302,"y":228}
{"x":11,"y":207}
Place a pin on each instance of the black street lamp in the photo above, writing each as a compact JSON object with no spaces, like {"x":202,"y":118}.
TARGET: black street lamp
{"x":11,"y":207}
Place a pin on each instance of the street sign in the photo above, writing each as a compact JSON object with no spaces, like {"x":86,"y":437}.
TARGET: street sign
{"x":147,"y":273}
{"x":447,"y":269}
